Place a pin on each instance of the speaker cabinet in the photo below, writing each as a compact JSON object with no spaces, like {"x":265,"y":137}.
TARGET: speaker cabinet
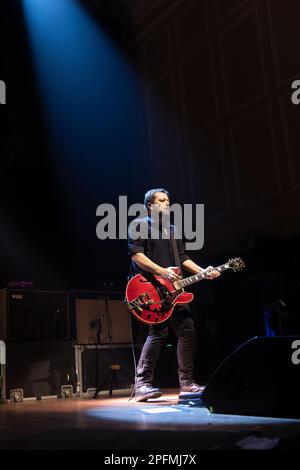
{"x":40,"y":368}
{"x":33,"y":315}
{"x":95,"y":318}
{"x":93,"y":363}
{"x":260,"y":378}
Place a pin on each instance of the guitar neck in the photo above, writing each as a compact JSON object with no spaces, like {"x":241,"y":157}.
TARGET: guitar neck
{"x":198,"y":277}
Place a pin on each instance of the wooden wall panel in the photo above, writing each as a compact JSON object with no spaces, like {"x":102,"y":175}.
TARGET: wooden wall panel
{"x":283,"y":18}
{"x":198,"y":90}
{"x":161,"y":111}
{"x":157,"y":51}
{"x":255,"y":158}
{"x":243,"y":62}
{"x":227,"y":7}
{"x":223,"y":76}
{"x":207,"y":175}
{"x":290,"y":120}
{"x":191,"y":23}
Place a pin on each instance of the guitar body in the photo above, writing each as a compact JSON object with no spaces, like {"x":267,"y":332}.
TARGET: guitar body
{"x":152,"y":299}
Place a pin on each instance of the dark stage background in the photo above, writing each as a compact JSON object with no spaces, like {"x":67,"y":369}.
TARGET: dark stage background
{"x":208,"y":115}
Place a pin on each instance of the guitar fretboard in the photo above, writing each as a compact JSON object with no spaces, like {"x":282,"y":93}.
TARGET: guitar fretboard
{"x":198,"y":277}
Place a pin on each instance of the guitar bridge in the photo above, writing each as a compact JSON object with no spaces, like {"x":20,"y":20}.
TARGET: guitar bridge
{"x":140,"y":302}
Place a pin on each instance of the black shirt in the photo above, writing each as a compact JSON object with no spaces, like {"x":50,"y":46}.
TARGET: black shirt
{"x":158,"y":250}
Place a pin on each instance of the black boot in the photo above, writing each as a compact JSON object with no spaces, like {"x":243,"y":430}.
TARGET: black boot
{"x":146,"y":391}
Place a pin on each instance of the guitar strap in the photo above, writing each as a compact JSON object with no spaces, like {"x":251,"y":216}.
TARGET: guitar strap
{"x":130,"y":274}
{"x":174,"y":250}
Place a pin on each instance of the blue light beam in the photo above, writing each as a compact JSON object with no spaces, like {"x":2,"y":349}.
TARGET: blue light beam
{"x":90,"y":93}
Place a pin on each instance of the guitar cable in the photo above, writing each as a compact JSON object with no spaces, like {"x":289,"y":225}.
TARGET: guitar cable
{"x":134,"y":360}
{"x":131,"y":338}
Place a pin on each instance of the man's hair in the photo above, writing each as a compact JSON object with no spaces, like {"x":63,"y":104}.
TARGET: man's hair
{"x":150,"y":195}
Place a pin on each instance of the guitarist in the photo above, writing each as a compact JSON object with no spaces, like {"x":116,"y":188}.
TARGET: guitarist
{"x":156,"y":256}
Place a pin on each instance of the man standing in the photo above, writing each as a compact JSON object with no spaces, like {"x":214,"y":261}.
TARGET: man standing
{"x":156,"y":256}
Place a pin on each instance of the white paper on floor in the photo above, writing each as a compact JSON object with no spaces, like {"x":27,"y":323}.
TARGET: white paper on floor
{"x":162,"y":409}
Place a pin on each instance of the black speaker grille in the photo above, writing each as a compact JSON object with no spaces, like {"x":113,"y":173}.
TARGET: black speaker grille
{"x":40,"y":368}
{"x":38,"y":315}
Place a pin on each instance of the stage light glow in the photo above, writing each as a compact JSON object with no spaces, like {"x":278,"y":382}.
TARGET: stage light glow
{"x":155,"y":414}
{"x":90,"y":93}
{"x":93,"y":101}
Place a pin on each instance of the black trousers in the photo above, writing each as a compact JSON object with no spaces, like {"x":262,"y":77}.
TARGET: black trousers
{"x":183,"y":325}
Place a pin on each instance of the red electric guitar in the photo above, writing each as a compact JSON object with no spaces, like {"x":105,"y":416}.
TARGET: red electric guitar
{"x":151,"y":299}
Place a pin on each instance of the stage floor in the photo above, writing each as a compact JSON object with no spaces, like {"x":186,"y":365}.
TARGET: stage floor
{"x":117,"y":424}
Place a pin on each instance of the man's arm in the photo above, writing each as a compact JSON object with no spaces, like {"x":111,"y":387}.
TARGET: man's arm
{"x":191,"y":266}
{"x":146,"y":264}
{"x":195,"y":269}
{"x":188,"y":264}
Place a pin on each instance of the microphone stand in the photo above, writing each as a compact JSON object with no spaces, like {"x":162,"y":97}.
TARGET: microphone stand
{"x":97,"y":323}
{"x":113,"y":368}
{"x":108,"y":319}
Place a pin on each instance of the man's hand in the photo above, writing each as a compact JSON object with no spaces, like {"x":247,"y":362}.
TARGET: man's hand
{"x":168,"y":273}
{"x":211,"y":273}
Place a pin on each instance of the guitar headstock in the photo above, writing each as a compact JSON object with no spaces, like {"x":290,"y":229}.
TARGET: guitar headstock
{"x":236,"y":264}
